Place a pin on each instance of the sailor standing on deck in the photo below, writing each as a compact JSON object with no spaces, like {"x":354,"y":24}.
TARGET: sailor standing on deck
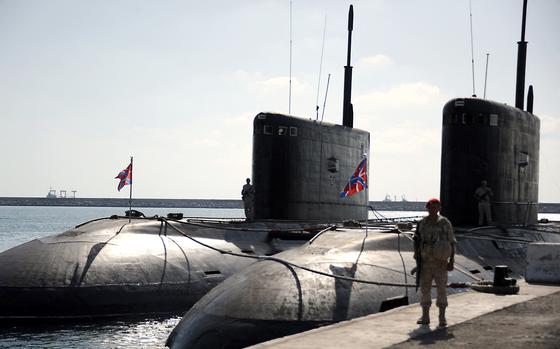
{"x":434,"y":251}
{"x":483,"y":194}
{"x":248,"y":196}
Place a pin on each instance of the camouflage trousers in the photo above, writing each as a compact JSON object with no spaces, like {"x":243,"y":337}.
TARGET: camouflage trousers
{"x":484,"y":211}
{"x":437,"y":272}
{"x":248,"y":206}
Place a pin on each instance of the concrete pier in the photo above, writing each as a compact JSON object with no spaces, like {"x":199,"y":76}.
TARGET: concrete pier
{"x":398,"y":327}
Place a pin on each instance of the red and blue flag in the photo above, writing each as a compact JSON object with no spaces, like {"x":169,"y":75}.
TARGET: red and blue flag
{"x":358,"y":181}
{"x":125,"y":177}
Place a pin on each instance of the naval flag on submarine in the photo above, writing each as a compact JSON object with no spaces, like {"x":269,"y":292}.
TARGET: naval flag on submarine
{"x":358,"y":180}
{"x":125,"y":176}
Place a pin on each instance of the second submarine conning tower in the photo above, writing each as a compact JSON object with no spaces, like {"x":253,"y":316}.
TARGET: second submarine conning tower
{"x":301,"y":165}
{"x":494,"y":142}
{"x":486,"y":140}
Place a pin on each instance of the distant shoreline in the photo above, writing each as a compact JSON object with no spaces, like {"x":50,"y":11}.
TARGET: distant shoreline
{"x":204,"y":203}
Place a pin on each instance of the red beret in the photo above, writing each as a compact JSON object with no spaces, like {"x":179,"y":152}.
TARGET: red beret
{"x":432,"y":202}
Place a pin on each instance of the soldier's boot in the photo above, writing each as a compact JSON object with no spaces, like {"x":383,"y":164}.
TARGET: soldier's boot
{"x":442,"y":321}
{"x":425,"y":318}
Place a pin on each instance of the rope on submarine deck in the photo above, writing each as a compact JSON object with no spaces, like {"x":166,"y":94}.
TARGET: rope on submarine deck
{"x":294,"y":265}
{"x":216,"y":226}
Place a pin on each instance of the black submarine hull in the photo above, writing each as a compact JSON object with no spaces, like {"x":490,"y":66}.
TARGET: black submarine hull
{"x":270,"y":299}
{"x":113,"y":267}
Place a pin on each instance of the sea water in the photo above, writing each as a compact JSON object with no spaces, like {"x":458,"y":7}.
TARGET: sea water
{"x":22,"y":224}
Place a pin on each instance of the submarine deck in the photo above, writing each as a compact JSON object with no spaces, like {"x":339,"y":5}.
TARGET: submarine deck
{"x":529,"y":318}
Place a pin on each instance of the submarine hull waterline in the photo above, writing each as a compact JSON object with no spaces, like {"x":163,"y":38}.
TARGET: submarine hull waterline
{"x":110,"y":267}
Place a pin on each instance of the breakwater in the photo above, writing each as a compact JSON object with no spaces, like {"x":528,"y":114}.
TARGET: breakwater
{"x":113,"y":202}
{"x":205,"y":203}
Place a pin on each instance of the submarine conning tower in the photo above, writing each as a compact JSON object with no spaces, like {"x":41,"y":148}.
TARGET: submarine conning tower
{"x":486,"y":140}
{"x":301,"y":165}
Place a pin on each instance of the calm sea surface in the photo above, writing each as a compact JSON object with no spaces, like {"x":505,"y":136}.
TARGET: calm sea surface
{"x":21,"y":224}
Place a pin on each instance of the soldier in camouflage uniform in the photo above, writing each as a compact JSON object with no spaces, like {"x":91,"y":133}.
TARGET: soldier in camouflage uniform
{"x":248,"y":196}
{"x":484,"y":195}
{"x":434,"y":252}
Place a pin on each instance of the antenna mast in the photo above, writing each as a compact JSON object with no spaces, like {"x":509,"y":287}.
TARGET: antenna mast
{"x":325,"y":101}
{"x":472,"y":49}
{"x":486,"y":75}
{"x":320,"y":69}
{"x":290,"y":84}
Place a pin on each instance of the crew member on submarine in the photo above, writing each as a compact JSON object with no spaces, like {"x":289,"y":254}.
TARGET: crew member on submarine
{"x":484,"y":194}
{"x":248,"y":196}
{"x":434,"y":251}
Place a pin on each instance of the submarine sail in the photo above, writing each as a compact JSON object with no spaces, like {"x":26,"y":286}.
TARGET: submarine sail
{"x":486,"y":140}
{"x":489,"y":141}
{"x":300,"y":166}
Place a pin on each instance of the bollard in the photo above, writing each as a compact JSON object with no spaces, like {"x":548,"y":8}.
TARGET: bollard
{"x":501,"y":276}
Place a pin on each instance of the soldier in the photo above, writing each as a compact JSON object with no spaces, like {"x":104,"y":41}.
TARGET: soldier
{"x":434,"y":251}
{"x":248,"y":196}
{"x":483,"y":194}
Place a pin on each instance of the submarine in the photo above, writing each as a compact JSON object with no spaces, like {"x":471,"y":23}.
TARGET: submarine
{"x":360,"y":269}
{"x":122,"y":266}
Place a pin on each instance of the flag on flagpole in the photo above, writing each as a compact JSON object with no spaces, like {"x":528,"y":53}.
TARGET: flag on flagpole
{"x":125,"y":177}
{"x":358,"y":181}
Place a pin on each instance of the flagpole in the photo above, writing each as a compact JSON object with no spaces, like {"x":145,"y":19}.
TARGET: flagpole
{"x":130,"y":197}
{"x":366,"y":194}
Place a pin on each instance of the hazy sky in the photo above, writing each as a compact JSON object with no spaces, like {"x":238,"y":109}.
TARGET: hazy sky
{"x":86,"y":84}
